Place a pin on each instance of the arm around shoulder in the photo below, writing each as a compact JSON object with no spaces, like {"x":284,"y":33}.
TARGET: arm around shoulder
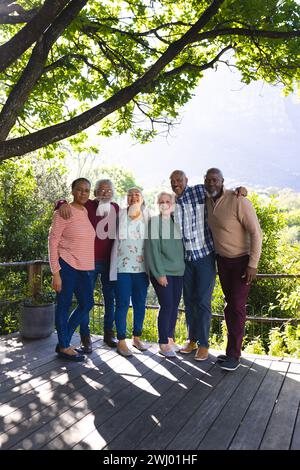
{"x":248,"y":218}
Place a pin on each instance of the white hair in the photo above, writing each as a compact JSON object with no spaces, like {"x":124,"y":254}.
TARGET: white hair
{"x":106,"y":181}
{"x":171,"y":196}
{"x":134,"y":188}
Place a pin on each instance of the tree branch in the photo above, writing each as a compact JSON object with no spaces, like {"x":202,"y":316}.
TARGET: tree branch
{"x":188,"y":66}
{"x":22,"y":145}
{"x":152,"y":120}
{"x":65,"y":60}
{"x":17,"y":19}
{"x":266,"y":61}
{"x":23,"y":15}
{"x":248,"y":32}
{"x":30,"y":33}
{"x":91,"y":29}
{"x":116,"y":57}
{"x":35,"y":67}
{"x":94,"y":26}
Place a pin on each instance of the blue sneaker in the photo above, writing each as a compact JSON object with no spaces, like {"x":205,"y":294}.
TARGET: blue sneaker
{"x":222,"y":358}
{"x":230,"y":364}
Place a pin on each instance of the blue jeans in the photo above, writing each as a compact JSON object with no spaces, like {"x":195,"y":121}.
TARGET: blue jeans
{"x":78,"y":283}
{"x":134,"y":286}
{"x":198,"y":285}
{"x":108,"y":289}
{"x":168,"y":298}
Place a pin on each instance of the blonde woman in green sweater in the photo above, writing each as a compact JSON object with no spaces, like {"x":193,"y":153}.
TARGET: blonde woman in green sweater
{"x":165,"y":262}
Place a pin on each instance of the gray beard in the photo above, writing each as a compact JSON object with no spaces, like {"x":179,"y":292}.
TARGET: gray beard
{"x":103,"y":209}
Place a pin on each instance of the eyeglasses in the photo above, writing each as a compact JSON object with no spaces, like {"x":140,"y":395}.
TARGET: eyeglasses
{"x":103,"y":191}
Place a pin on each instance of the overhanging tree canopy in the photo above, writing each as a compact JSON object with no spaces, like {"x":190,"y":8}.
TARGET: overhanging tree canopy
{"x":68,"y":64}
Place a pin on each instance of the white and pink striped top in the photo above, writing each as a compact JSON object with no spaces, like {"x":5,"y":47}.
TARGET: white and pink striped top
{"x":73,"y":240}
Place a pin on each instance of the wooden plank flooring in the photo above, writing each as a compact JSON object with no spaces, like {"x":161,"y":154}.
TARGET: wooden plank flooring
{"x":144,"y":402}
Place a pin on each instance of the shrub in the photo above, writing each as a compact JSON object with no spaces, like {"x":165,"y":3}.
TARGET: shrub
{"x":277,"y":345}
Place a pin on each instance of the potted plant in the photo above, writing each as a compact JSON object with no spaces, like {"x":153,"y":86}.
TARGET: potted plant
{"x":37,"y":315}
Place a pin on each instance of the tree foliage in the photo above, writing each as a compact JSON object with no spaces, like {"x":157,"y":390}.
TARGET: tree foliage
{"x":122,"y":179}
{"x":271,"y":297}
{"x":263,"y":292}
{"x":27,"y":195}
{"x":128,"y":65}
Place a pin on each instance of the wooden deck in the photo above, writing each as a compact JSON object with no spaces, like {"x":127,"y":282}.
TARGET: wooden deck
{"x":145,"y":402}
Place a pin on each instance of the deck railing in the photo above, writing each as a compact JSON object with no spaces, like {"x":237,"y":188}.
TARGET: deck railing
{"x":35,"y":274}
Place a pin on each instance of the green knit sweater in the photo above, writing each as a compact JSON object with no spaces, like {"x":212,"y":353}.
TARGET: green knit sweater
{"x":164,"y":254}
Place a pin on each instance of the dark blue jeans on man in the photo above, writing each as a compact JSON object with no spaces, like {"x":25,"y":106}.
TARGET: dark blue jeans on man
{"x":198,"y":285}
{"x":168,"y":298}
{"x":134,"y":286}
{"x":78,"y":283}
{"x":108,"y":290}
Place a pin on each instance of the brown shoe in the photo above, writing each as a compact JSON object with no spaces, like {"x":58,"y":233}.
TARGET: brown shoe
{"x":86,"y":345}
{"x":109,"y":339}
{"x":188,"y":347}
{"x":123,"y":349}
{"x":201,"y":354}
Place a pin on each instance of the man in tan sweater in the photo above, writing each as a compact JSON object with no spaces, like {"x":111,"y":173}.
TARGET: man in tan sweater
{"x":237,"y":239}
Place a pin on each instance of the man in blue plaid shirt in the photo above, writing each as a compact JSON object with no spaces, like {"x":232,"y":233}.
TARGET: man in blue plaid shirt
{"x":200,"y":270}
{"x":200,"y":265}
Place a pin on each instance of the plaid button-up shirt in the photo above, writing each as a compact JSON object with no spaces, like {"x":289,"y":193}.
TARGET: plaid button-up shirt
{"x":191,"y":216}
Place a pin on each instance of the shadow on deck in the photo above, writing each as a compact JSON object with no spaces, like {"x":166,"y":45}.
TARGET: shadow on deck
{"x":145,"y":402}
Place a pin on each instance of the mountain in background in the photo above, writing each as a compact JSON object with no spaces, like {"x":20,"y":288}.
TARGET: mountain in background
{"x":259,"y":144}
{"x":251,"y":132}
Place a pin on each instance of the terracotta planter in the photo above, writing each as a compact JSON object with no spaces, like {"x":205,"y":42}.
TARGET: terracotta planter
{"x":37,"y":321}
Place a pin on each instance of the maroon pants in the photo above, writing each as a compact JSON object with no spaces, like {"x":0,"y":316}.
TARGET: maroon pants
{"x":236,"y":293}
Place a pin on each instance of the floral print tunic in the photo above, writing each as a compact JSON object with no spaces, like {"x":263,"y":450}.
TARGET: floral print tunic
{"x":131,"y":244}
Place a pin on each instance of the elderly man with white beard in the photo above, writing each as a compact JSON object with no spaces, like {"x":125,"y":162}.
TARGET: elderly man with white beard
{"x":102,"y":213}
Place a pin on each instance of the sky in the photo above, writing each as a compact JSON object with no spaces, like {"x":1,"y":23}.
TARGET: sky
{"x":251,"y":132}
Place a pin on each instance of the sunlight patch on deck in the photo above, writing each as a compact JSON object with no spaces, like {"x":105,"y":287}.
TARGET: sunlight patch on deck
{"x":196,"y":367}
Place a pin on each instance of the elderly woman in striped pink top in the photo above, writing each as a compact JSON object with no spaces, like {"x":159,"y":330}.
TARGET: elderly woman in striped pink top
{"x":72,"y":261}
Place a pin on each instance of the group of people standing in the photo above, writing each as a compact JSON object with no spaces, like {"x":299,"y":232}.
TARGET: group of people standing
{"x":197,"y":227}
